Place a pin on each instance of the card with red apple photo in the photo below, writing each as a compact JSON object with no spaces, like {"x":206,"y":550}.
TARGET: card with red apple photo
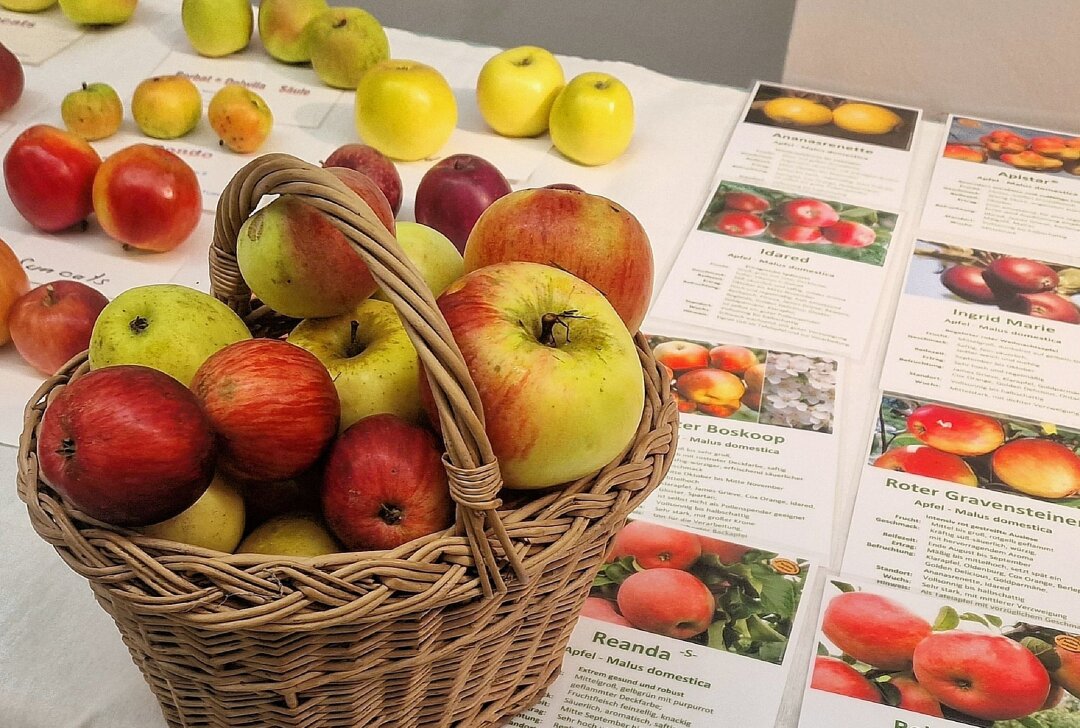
{"x":706,"y":591}
{"x":745,"y":384}
{"x":1005,"y":282}
{"x":790,"y":220}
{"x":829,"y":115}
{"x":1012,"y":147}
{"x":979,"y":449}
{"x":925,"y":656}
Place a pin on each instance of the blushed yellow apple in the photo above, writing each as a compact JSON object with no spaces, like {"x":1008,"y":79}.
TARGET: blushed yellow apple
{"x":166,"y":107}
{"x":296,"y":534}
{"x":92,"y":112}
{"x":436,"y":258}
{"x":217,"y":28}
{"x":240,"y":118}
{"x":344,"y":43}
{"x":405,"y":109}
{"x":27,"y":6}
{"x":592,"y":119}
{"x":516,"y":88}
{"x":98,"y":12}
{"x":215,"y":521}
{"x":371,"y":359}
{"x":281,"y":28}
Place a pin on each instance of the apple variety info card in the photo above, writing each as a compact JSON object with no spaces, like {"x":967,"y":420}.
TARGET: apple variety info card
{"x":758,"y":454}
{"x":697,"y":640}
{"x":36,"y":37}
{"x":989,"y":326}
{"x":1006,"y":183}
{"x":902,"y":660}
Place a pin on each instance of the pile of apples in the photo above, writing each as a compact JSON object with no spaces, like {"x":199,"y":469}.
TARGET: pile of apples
{"x":714,"y":380}
{"x":964,"y":675}
{"x":799,"y":221}
{"x":1038,"y":154}
{"x":1012,"y":283}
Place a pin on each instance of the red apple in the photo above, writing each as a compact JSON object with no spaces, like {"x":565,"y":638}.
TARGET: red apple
{"x":836,"y":676}
{"x":53,"y":322}
{"x":11,"y":79}
{"x":1007,"y":276}
{"x":603,"y":610}
{"x":454,"y":193}
{"x":1046,"y":145}
{"x":590,"y":236}
{"x":670,"y":602}
{"x":986,"y":676}
{"x":681,"y":355}
{"x":719,"y":409}
{"x":148,"y":198}
{"x":563,"y":186}
{"x":848,"y":234}
{"x":369,"y":192}
{"x":915,"y":697}
{"x":711,"y":387}
{"x":1068,"y":675}
{"x":49,"y":174}
{"x":874,"y":629}
{"x":795,"y":234}
{"x":1047,"y":305}
{"x":967,"y":282}
{"x":682,"y":404}
{"x":725,"y":551}
{"x":954,"y":430}
{"x":13,"y":284}
{"x":385,"y":485}
{"x":376,"y":165}
{"x":272,"y":404}
{"x":809,"y":212}
{"x":127,"y":445}
{"x":964,"y":152}
{"x":739,"y":224}
{"x":746,"y":202}
{"x":731,"y":358}
{"x":654,"y":546}
{"x":1003,"y":141}
{"x":1037,"y":467}
{"x":927,"y":462}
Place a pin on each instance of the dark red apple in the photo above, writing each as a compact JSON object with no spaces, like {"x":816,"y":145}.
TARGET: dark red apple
{"x":11,"y":79}
{"x":49,"y":174}
{"x":738,"y":223}
{"x":1008,"y":275}
{"x":746,"y":202}
{"x":53,"y":322}
{"x":850,"y":234}
{"x":385,"y":485}
{"x":376,"y":165}
{"x":967,"y":282}
{"x":809,"y":212}
{"x":455,"y":191}
{"x":369,"y":192}
{"x":796,"y":234}
{"x":1047,"y":305}
{"x":127,"y":445}
{"x":272,"y":404}
{"x":563,"y":186}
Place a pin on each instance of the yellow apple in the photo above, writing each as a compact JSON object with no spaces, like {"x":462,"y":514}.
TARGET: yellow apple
{"x":405,"y":109}
{"x":296,"y":534}
{"x":436,"y":258}
{"x":98,"y":12}
{"x":215,"y":521}
{"x":217,"y":28}
{"x":240,"y":118}
{"x":27,"y":6}
{"x":166,"y":107}
{"x":92,"y":112}
{"x":592,"y":119}
{"x":516,"y":88}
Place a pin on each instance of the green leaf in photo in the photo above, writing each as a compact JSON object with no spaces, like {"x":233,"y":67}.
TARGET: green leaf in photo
{"x":972,"y":617}
{"x":773,"y":652}
{"x":947,"y":618}
{"x":890,"y":693}
{"x":844,"y":587}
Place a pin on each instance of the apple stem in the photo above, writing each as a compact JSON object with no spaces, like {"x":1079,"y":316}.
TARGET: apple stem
{"x":549,"y":321}
{"x":354,"y":346}
{"x":84,"y":86}
{"x":67,"y":448}
{"x":391,"y":514}
{"x":50,"y":296}
{"x":138,"y":325}
{"x":341,"y":23}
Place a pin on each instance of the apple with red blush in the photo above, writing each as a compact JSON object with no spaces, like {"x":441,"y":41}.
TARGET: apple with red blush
{"x":602,"y":610}
{"x":1047,"y":305}
{"x":739,"y":224}
{"x":711,"y":387}
{"x":678,"y":356}
{"x":794,"y":234}
{"x":665,"y":601}
{"x":726,"y":551}
{"x":13,"y":284}
{"x":954,"y":430}
{"x":455,"y":191}
{"x":874,"y":629}
{"x":53,"y":322}
{"x":732,"y":358}
{"x":563,"y":186}
{"x":1009,"y":275}
{"x":850,"y":234}
{"x":12,"y":79}
{"x":654,"y":546}
{"x":927,"y":462}
{"x":1067,"y":675}
{"x":836,"y":676}
{"x":368,"y":160}
{"x":746,"y":201}
{"x":49,"y":174}
{"x":368,"y":191}
{"x":809,"y":212}
{"x":915,"y":697}
{"x":967,"y":282}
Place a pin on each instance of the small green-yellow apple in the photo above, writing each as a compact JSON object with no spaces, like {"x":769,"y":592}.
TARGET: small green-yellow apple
{"x":344,"y":44}
{"x":98,"y":12}
{"x":435,"y":257}
{"x":215,"y":521}
{"x":592,"y":119}
{"x":281,"y":27}
{"x":166,"y":107}
{"x":164,"y":326}
{"x":217,"y":27}
{"x":27,"y":6}
{"x":92,"y":112}
{"x":542,"y":347}
{"x":295,"y":534}
{"x":240,"y":118}
{"x":405,"y":109}
{"x":371,"y":359}
{"x":516,"y":88}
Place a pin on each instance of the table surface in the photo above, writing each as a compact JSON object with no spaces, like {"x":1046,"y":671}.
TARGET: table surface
{"x":61,"y":661}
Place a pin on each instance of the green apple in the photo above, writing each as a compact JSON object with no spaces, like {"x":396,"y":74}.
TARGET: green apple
{"x":436,"y":258}
{"x":98,"y":12}
{"x":27,"y":6}
{"x":592,"y":119}
{"x":374,"y":364}
{"x":164,"y":326}
{"x":516,"y":88}
{"x":405,"y":109}
{"x":217,"y":27}
{"x":92,"y":112}
{"x":295,"y":534}
{"x":215,"y":521}
{"x":281,"y":27}
{"x":344,"y":44}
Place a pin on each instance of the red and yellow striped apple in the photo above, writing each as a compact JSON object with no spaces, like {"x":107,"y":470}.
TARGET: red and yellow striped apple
{"x":955,"y":431}
{"x":927,"y":462}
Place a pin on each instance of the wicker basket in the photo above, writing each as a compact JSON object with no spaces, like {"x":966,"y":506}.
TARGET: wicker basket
{"x":461,"y":628}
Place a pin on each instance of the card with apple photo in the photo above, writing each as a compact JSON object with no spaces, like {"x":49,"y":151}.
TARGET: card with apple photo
{"x":1003,"y":183}
{"x":989,"y":327}
{"x":757,"y":451}
{"x":36,"y":37}
{"x":891,"y":657}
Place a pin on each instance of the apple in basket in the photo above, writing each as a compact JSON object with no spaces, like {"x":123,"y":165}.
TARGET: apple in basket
{"x":556,"y":369}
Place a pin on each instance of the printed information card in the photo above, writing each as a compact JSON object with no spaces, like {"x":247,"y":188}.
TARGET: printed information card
{"x":36,"y":37}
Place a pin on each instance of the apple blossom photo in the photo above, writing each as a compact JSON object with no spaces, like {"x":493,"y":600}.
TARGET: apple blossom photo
{"x":940,"y":660}
{"x":996,"y":281}
{"x":833,"y":116}
{"x":825,"y":227}
{"x":1015,"y":147}
{"x":706,"y":591}
{"x":978,"y":449}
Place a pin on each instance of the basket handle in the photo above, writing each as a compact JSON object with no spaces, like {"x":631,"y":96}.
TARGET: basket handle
{"x":470,"y":464}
